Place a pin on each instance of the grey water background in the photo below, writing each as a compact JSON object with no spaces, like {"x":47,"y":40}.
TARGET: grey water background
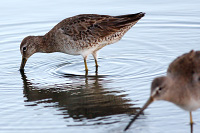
{"x":53,"y":95}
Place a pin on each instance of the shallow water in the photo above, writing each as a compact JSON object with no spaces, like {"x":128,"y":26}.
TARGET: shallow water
{"x":54,"y":95}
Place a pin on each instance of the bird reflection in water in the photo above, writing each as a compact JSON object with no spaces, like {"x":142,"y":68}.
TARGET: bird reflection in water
{"x":80,"y":100}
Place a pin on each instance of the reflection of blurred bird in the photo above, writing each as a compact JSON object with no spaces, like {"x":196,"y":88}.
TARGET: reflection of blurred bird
{"x":80,"y":35}
{"x":181,"y":86}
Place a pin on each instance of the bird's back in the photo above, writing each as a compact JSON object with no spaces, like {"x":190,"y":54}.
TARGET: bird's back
{"x":186,"y":67}
{"x":94,"y":28}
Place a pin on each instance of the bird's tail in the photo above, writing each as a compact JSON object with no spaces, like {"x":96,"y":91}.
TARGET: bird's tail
{"x":124,"y":20}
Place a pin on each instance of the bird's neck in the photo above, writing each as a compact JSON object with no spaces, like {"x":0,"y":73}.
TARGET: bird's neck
{"x":43,"y":45}
{"x":40,"y":44}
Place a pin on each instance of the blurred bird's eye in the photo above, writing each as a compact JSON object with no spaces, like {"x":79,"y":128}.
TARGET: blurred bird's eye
{"x":24,"y":49}
{"x":160,"y":88}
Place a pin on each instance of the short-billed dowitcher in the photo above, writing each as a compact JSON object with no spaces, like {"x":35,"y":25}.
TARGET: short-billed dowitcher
{"x":80,"y":35}
{"x":181,"y":86}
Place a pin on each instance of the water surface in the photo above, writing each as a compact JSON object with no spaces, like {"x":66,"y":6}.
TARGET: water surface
{"x":54,"y":95}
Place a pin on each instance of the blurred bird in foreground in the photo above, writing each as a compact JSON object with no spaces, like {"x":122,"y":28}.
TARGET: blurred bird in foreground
{"x":181,"y":86}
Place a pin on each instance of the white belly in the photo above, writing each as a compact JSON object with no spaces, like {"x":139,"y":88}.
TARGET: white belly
{"x":192,"y":105}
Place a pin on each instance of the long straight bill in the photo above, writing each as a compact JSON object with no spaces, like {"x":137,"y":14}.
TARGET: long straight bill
{"x":23,"y":63}
{"x":150,"y":100}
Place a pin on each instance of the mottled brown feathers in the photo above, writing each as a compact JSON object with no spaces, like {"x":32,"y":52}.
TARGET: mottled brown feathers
{"x":94,"y":26}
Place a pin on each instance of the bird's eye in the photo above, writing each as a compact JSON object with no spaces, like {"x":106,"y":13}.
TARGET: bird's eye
{"x":24,"y":49}
{"x":160,"y":88}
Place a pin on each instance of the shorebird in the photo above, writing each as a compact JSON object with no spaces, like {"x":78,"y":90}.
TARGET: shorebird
{"x":181,"y":86}
{"x":80,"y":35}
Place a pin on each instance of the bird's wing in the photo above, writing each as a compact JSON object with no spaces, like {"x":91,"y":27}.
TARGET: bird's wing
{"x":185,"y":66}
{"x":93,"y":26}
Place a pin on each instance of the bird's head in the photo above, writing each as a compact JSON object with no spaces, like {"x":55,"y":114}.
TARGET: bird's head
{"x":27,"y":48}
{"x":158,"y":92}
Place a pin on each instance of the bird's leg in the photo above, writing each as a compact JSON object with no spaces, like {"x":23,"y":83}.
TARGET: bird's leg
{"x":95,"y":59}
{"x":85,"y":62}
{"x":191,"y":121}
{"x":191,"y":128}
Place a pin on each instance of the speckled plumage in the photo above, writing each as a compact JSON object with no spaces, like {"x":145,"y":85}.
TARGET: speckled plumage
{"x":80,"y":35}
{"x":181,"y":86}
